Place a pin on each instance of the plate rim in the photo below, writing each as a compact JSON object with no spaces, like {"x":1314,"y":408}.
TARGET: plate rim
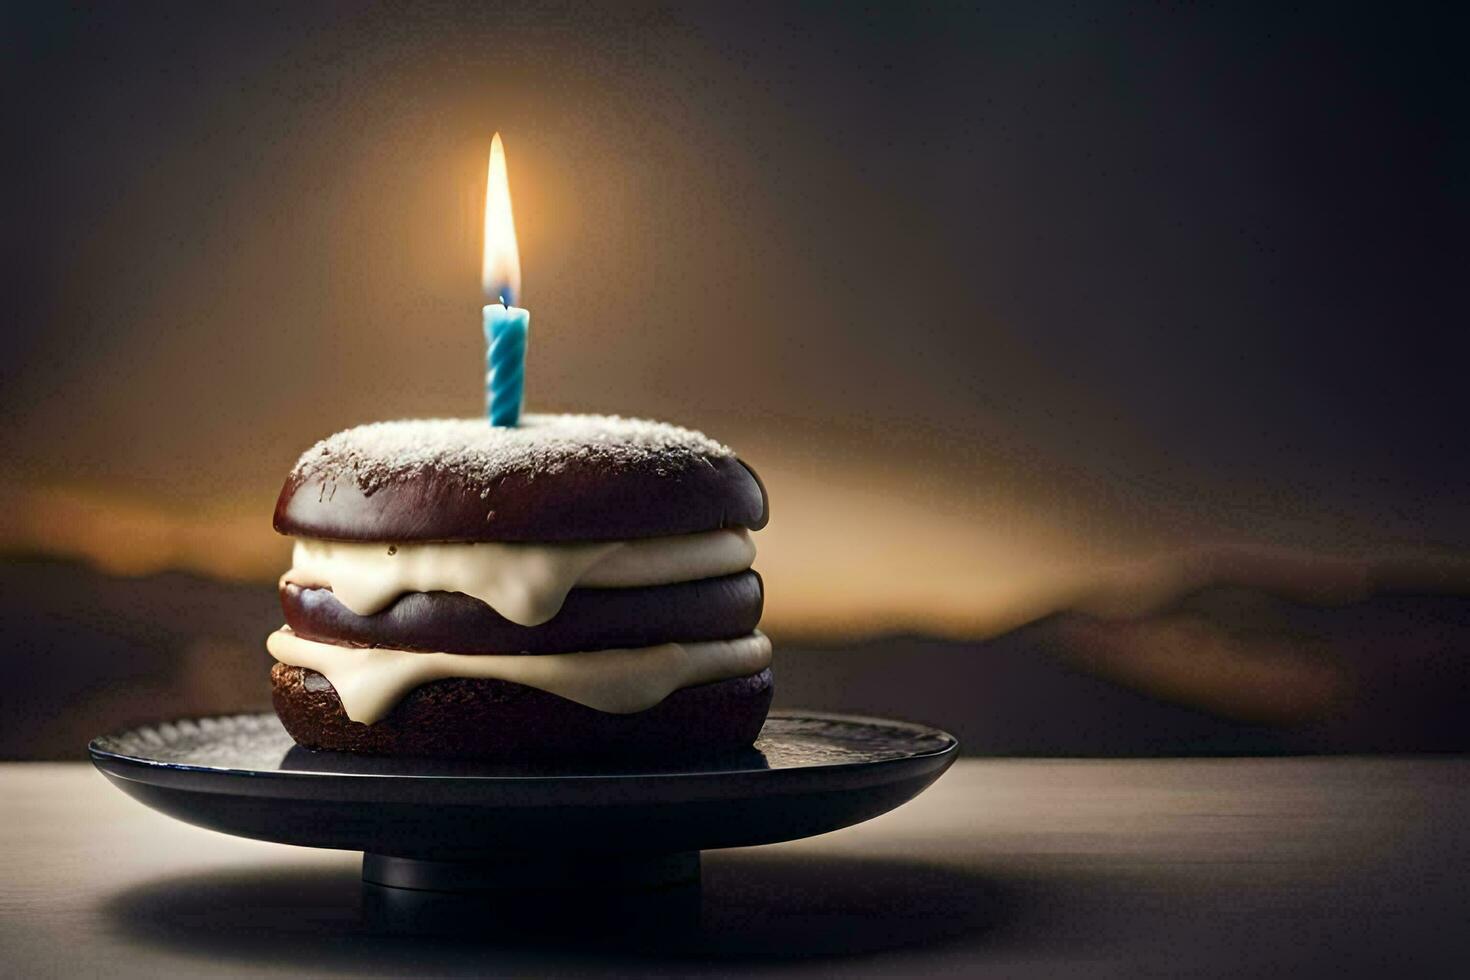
{"x":134,"y":767}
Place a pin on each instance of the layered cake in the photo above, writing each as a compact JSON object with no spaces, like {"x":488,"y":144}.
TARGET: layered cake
{"x":574,"y":586}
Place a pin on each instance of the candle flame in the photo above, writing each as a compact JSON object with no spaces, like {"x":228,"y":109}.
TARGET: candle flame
{"x":501,"y":272}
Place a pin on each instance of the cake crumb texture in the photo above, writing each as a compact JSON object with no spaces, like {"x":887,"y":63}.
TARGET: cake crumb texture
{"x":382,"y":453}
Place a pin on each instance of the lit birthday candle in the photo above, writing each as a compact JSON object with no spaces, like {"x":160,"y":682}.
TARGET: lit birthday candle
{"x":506,"y":325}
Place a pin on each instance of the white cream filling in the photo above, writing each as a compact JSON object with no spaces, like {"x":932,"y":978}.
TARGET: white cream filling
{"x":525,"y":583}
{"x":371,"y":680}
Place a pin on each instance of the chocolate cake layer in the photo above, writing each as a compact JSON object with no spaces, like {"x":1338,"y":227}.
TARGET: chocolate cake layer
{"x":579,"y":500}
{"x":499,"y":720}
{"x":591,"y":619}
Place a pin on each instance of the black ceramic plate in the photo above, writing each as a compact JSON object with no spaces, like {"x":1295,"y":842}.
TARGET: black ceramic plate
{"x":806,"y":774}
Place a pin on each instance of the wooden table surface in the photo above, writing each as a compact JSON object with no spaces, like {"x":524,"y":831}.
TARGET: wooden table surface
{"x":1301,"y":867}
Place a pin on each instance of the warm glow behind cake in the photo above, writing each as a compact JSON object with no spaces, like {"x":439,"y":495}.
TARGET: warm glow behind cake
{"x":576,"y":586}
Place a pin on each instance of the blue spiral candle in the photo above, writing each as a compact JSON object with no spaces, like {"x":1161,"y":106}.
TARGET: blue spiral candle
{"x":505,"y":324}
{"x":505,"y":363}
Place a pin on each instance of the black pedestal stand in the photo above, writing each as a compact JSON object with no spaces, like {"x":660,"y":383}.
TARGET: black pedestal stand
{"x":589,"y":901}
{"x":534,"y":872}
{"x":429,"y":830}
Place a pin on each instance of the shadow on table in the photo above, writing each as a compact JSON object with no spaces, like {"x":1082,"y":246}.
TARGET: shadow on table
{"x":751,"y":908}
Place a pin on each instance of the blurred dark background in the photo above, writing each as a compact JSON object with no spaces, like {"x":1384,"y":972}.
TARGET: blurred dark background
{"x":1105,"y":362}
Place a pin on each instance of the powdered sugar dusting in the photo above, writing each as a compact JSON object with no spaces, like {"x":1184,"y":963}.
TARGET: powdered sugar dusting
{"x":387,"y":452}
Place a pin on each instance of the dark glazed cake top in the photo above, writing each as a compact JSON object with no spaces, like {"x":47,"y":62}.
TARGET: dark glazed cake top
{"x":553,"y":478}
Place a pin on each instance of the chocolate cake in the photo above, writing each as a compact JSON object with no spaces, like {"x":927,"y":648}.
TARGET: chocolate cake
{"x":574,"y":586}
